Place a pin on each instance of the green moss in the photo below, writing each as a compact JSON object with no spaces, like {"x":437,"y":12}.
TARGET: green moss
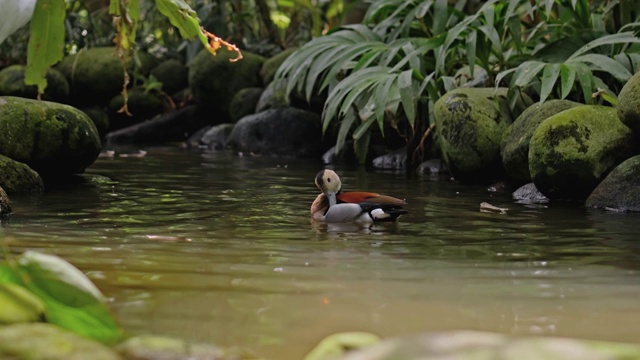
{"x":514,"y":146}
{"x":629,"y":103}
{"x":271,"y":65}
{"x":573,"y":150}
{"x":214,"y":80}
{"x":172,"y":74}
{"x":12,"y":84}
{"x":53,"y":139}
{"x":619,"y":190}
{"x":469,"y":124}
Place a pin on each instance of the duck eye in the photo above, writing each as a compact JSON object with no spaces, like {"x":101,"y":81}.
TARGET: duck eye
{"x":328,"y":179}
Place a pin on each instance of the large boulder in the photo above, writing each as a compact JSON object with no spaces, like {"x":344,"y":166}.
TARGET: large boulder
{"x":281,"y":132}
{"x":53,"y":139}
{"x":18,"y":178}
{"x":173,"y":75}
{"x":470,"y":123}
{"x":514,"y":147}
{"x":152,"y":347}
{"x":12,"y":84}
{"x":142,"y":105}
{"x":629,"y":103}
{"x":5,"y":207}
{"x":572,"y":151}
{"x":274,"y":96}
{"x":620,"y":190}
{"x":214,"y":80}
{"x":96,"y":75}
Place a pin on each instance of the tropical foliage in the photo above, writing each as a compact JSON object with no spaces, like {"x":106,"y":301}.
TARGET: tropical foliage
{"x":407,"y":53}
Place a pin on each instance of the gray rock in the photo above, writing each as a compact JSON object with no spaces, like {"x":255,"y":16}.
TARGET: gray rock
{"x":620,"y":190}
{"x":53,"y":139}
{"x":629,"y":103}
{"x":514,"y":147}
{"x":285,"y":132}
{"x":216,"y":137}
{"x":173,"y":126}
{"x":19,"y":178}
{"x":5,"y":202}
{"x":432,"y":166}
{"x":572,"y":151}
{"x":395,"y":160}
{"x":529,"y":193}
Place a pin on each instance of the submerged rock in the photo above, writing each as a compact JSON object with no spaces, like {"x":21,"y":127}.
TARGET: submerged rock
{"x":529,"y":193}
{"x":395,"y":160}
{"x":514,"y":147}
{"x":53,"y":139}
{"x":488,"y":346}
{"x":151,"y":347}
{"x":12,"y":84}
{"x":39,"y":341}
{"x":216,"y":137}
{"x":286,"y":132}
{"x":629,"y":103}
{"x":214,"y":80}
{"x":571,"y":152}
{"x":19,"y":178}
{"x":470,"y":123}
{"x":620,"y":190}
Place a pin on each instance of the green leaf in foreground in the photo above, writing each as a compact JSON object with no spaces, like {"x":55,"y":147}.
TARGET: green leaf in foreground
{"x":46,"y":43}
{"x":336,"y":345}
{"x":71,"y":300}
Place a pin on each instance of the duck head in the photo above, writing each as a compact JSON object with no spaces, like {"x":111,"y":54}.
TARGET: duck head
{"x":329,"y":183}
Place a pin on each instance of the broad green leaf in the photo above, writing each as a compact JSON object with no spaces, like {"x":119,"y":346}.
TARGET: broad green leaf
{"x":184,"y":18}
{"x":549,"y":78}
{"x":619,"y":38}
{"x":126,"y":15}
{"x":18,"y":305}
{"x":606,"y":64}
{"x":363,"y":128}
{"x":585,"y":78}
{"x":335,"y":346}
{"x":548,"y":6}
{"x":345,"y":127}
{"x":70,"y":298}
{"x":381,"y":96}
{"x":440,"y":16}
{"x":526,"y":72}
{"x":405,"y":86}
{"x":46,"y":43}
{"x":361,"y":146}
{"x":567,"y":79}
{"x":471,"y":50}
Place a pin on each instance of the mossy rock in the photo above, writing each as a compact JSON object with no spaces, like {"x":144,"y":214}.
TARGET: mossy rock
{"x":53,"y":139}
{"x":470,"y":123}
{"x":173,"y":75}
{"x":5,"y":204}
{"x":18,"y":178}
{"x":629,"y":103}
{"x":514,"y":147}
{"x":620,"y":190}
{"x":100,"y":119}
{"x":96,"y":75}
{"x":151,"y":347}
{"x":12,"y":84}
{"x":142,"y":106}
{"x":572,"y":151}
{"x":274,"y":96}
{"x":271,"y":65}
{"x":244,"y":103}
{"x":214,"y":80}
{"x":39,"y":341}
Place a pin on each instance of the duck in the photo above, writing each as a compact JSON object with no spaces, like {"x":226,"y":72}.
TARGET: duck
{"x":335,"y":206}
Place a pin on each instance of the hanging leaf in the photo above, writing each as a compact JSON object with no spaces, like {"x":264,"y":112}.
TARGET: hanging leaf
{"x":549,"y":78}
{"x":46,"y":43}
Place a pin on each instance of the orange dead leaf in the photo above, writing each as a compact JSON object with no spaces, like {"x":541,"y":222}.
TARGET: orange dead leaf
{"x":215,"y":43}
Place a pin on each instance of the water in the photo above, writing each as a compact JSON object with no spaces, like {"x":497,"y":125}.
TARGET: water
{"x":218,"y":248}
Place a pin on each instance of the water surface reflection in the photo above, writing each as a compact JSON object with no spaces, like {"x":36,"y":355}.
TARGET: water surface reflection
{"x":213,"y":247}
